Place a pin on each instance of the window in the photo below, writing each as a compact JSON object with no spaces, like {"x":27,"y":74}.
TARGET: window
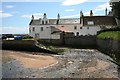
{"x":80,"y":27}
{"x":90,"y":23}
{"x":29,"y":30}
{"x":36,"y":35}
{"x":77,"y":33}
{"x":33,"y":29}
{"x":41,"y":28}
{"x":87,"y":27}
{"x":75,"y":27}
{"x":42,"y":22}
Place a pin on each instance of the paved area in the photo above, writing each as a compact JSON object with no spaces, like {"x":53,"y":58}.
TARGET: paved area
{"x":75,"y":63}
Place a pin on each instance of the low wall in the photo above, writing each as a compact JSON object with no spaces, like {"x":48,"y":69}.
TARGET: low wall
{"x":50,"y":41}
{"x":21,"y":45}
{"x":72,"y":41}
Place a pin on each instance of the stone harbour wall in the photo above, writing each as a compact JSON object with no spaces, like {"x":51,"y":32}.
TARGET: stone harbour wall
{"x":109,"y":46}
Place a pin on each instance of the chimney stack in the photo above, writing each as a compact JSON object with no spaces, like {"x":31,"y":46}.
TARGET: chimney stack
{"x":81,"y":14}
{"x":45,"y":16}
{"x":91,"y":13}
{"x":106,"y":12}
{"x":32,"y":17}
{"x":58,"y":16}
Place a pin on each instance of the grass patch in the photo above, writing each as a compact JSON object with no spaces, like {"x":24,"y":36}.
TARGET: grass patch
{"x":115,"y":35}
{"x":29,"y":39}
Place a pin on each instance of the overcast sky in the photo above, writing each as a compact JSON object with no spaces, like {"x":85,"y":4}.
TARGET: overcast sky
{"x":15,"y":15}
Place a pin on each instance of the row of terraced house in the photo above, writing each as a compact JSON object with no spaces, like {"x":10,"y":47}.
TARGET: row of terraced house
{"x":44,"y":28}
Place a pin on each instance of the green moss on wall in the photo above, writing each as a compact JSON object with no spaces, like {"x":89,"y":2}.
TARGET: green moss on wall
{"x":115,"y":35}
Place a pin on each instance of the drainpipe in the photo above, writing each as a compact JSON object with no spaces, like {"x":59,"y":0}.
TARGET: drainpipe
{"x":50,"y":34}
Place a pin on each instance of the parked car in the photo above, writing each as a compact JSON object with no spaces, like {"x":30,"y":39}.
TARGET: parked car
{"x":18,"y":37}
{"x":4,"y":37}
{"x":9,"y":38}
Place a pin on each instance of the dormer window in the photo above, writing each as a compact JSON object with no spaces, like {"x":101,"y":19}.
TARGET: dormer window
{"x":90,"y":23}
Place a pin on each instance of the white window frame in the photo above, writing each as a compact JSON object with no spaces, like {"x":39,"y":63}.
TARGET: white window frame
{"x":90,"y":22}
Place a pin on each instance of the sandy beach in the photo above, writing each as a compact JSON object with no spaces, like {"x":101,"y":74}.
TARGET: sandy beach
{"x":30,"y":60}
{"x":75,"y":63}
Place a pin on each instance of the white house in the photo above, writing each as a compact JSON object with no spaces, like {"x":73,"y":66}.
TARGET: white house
{"x":44,"y":28}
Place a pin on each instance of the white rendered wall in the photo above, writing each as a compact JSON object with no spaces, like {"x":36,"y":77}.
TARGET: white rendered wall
{"x":47,"y":29}
{"x":46,"y":34}
{"x":86,"y":30}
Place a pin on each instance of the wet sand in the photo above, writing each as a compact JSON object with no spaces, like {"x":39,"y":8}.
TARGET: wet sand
{"x":30,"y":60}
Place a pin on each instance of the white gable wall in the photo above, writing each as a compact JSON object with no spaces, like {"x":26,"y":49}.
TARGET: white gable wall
{"x":45,"y":34}
{"x":37,"y":29}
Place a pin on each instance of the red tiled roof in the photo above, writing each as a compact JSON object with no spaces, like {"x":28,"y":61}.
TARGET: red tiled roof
{"x":62,"y":29}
